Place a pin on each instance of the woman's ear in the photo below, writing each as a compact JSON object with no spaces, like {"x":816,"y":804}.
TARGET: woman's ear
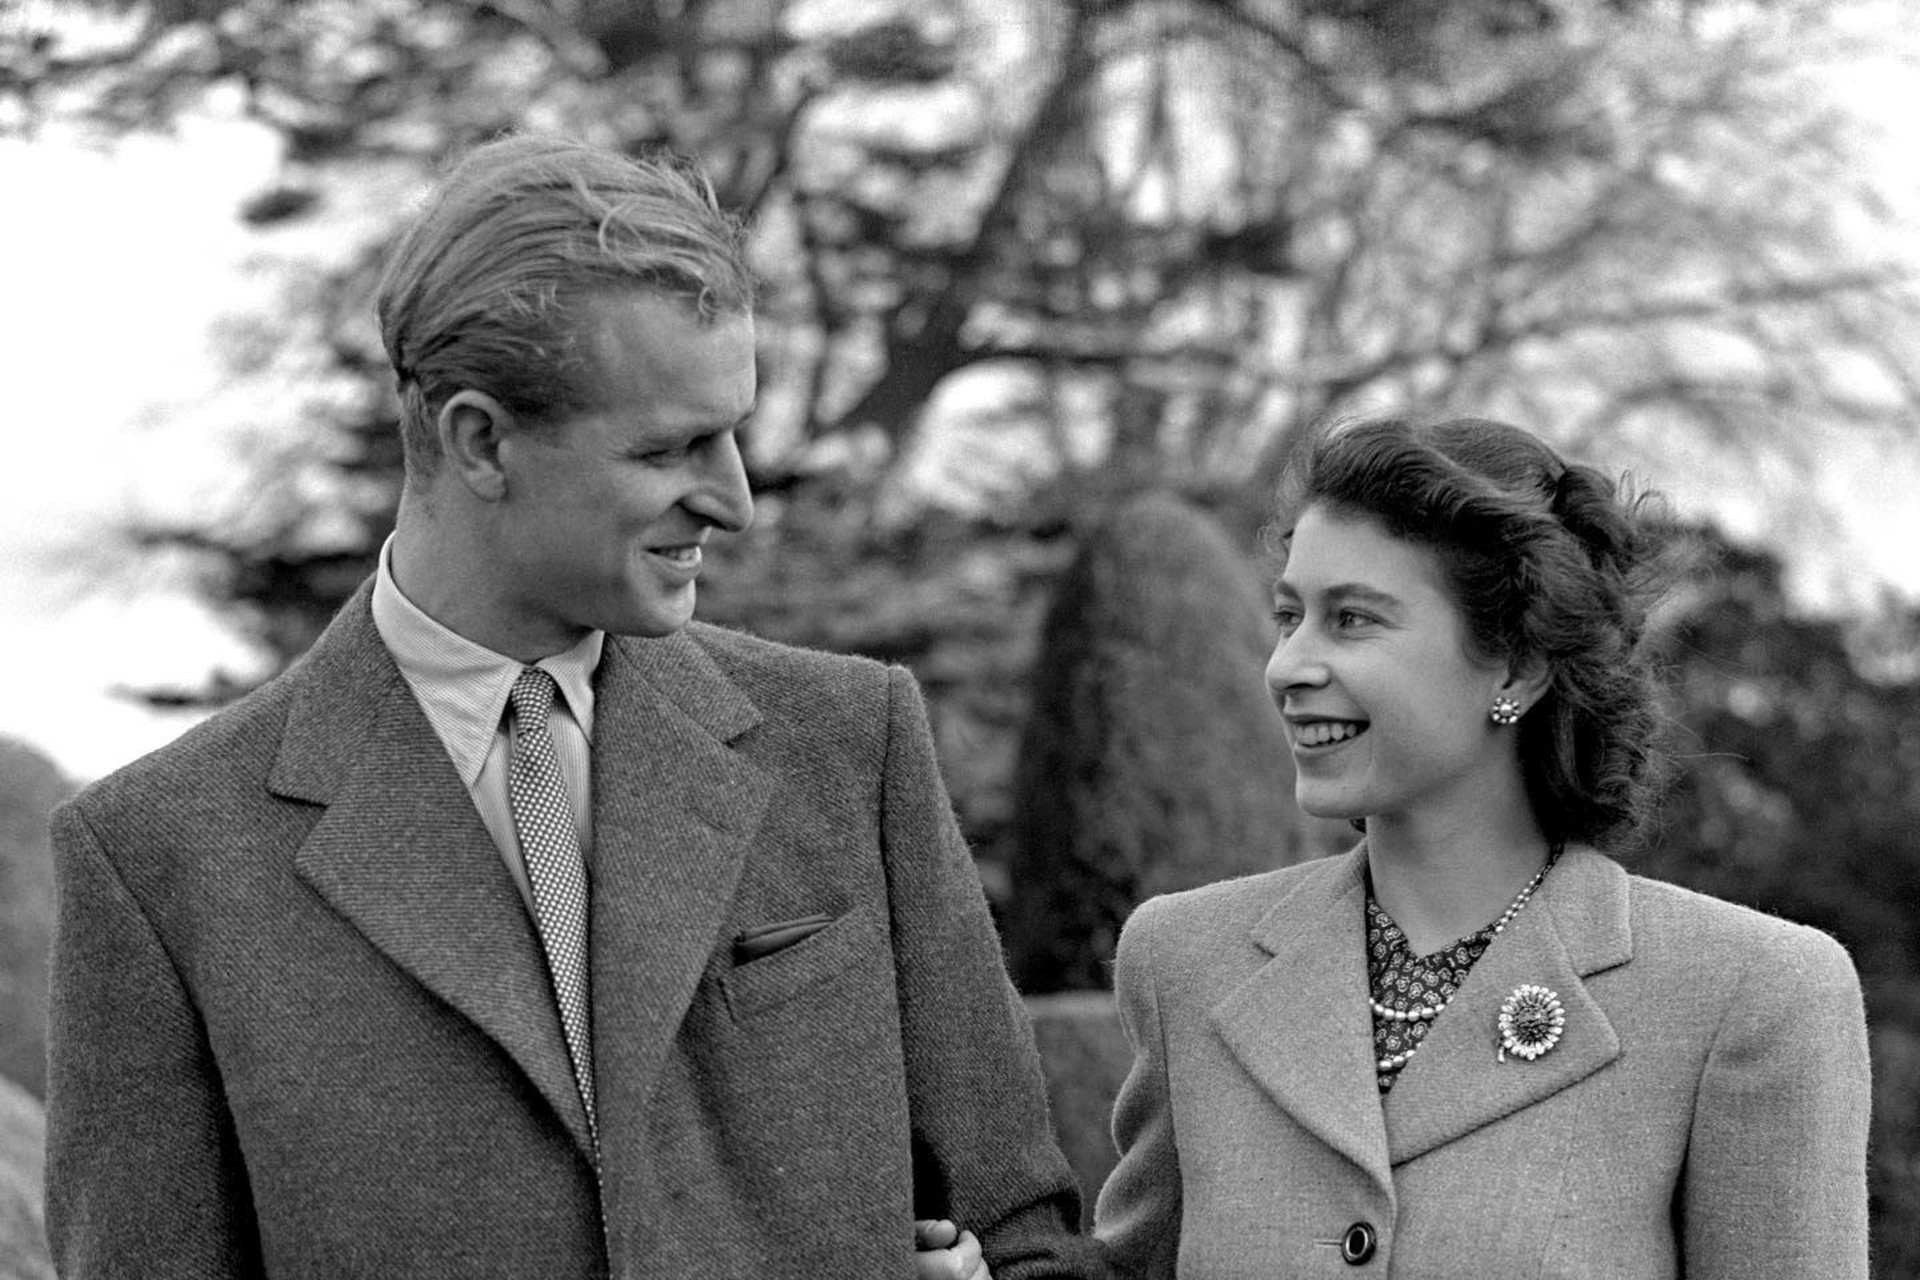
{"x":1527,"y":681}
{"x":471,"y":426}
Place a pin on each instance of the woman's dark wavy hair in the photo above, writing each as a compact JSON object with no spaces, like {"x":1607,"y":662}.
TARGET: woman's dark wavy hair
{"x":1547,"y":559}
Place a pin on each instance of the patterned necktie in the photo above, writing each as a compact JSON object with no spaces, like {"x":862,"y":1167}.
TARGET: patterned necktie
{"x":551,"y":849}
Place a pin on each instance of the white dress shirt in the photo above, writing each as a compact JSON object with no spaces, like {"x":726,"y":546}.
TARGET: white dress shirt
{"x":463,"y":686}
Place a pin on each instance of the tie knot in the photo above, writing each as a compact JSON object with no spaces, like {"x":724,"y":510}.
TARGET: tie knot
{"x":532,"y":696}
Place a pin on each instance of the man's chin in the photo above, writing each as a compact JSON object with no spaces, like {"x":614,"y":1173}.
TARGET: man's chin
{"x":657,"y":616}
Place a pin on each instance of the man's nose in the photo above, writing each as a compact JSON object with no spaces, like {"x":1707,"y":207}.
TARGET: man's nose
{"x":723,"y":498}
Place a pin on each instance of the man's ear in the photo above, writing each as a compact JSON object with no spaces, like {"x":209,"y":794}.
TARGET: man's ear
{"x":471,"y":426}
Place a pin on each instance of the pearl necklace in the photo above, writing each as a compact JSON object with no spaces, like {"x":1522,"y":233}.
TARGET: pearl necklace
{"x":1427,"y":1013}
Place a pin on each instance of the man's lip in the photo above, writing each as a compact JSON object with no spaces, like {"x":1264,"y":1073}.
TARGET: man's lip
{"x":680,"y":558}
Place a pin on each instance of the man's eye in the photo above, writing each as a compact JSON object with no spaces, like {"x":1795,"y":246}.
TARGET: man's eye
{"x":1349,"y":618}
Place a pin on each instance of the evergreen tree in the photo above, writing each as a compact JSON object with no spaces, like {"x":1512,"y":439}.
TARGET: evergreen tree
{"x":1153,"y":759}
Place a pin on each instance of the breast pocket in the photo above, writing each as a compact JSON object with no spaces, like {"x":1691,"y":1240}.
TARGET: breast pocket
{"x":814,"y":961}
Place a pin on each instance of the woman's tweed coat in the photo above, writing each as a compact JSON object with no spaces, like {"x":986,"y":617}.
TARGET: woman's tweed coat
{"x":1704,"y":1114}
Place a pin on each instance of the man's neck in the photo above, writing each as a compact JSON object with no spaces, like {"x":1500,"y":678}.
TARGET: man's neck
{"x":439,"y":572}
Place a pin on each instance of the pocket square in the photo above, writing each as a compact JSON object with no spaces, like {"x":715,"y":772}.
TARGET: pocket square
{"x":758,"y":943}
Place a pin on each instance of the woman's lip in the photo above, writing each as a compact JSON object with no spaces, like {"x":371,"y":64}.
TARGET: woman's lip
{"x":1297,"y":727}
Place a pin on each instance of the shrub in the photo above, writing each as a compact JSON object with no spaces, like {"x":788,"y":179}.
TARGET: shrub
{"x":30,"y":786}
{"x":1153,"y":758}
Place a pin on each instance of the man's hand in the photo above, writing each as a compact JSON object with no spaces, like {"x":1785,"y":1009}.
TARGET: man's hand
{"x":945,"y":1252}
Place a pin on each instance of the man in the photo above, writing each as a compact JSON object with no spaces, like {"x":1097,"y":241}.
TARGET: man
{"x":525,"y":928}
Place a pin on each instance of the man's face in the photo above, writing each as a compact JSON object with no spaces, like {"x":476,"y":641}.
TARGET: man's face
{"x":605,"y":512}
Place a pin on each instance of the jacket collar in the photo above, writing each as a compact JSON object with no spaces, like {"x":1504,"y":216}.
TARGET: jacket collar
{"x":402,"y":854}
{"x":1300,"y":1023}
{"x":1576,"y":925}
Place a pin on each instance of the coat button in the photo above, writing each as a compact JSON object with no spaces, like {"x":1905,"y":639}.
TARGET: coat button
{"x":1359,"y":1243}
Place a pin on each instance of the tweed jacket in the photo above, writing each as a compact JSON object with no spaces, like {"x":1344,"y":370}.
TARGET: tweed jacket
{"x":1704,"y":1113}
{"x":301,"y":1025}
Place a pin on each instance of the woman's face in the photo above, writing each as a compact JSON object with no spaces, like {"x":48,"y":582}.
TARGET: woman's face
{"x":1385,"y":706}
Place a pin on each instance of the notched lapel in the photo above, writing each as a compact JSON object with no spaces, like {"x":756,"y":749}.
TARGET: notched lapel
{"x":1300,"y":1024}
{"x":401,"y":853}
{"x":1576,"y":926}
{"x":675,"y":809}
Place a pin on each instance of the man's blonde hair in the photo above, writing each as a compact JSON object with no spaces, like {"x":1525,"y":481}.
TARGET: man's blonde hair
{"x":483,"y":290}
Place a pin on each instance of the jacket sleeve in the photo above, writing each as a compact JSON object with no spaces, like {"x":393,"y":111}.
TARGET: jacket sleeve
{"x":1138,"y":1218}
{"x":143,"y":1172}
{"x":983,"y":1142}
{"x":1775,"y":1180}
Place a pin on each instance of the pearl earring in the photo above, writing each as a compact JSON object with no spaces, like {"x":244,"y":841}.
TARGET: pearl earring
{"x":1505,"y":711}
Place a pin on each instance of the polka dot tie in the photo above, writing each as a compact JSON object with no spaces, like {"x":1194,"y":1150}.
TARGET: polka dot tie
{"x":551,"y":850}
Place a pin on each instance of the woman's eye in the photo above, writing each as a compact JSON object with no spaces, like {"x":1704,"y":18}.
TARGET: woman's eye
{"x":1287,"y":617}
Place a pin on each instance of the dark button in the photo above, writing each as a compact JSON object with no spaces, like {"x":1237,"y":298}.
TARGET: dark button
{"x":1358,"y":1244}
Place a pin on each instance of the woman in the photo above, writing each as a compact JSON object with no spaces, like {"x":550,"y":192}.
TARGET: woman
{"x":1475,"y":1046}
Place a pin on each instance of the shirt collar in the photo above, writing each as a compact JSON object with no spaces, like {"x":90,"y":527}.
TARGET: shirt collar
{"x":463,"y":686}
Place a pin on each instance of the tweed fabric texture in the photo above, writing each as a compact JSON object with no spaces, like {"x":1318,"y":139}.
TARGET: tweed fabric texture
{"x":555,"y":868}
{"x":302,"y":1026}
{"x":463,"y":688}
{"x":1704,"y":1114}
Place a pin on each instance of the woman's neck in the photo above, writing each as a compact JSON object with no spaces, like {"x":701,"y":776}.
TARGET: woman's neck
{"x":1443,"y":881}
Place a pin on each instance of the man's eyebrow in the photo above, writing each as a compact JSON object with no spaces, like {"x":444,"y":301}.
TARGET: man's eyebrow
{"x":695,"y":434}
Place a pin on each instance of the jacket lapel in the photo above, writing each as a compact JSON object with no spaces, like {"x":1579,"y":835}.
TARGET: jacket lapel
{"x":1575,"y":926}
{"x":675,"y":809}
{"x":401,"y":852}
{"x":1300,"y":1024}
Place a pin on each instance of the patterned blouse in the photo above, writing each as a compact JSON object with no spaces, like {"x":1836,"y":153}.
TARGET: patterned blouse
{"x":1401,"y":980}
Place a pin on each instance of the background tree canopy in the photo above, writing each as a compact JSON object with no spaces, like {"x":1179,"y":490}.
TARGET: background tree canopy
{"x":1028,"y":259}
{"x":1100,"y":244}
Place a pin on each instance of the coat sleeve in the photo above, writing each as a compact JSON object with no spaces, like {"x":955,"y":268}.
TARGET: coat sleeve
{"x":143,"y":1172}
{"x":1138,"y":1218}
{"x":1775,"y":1180}
{"x":983,"y":1143}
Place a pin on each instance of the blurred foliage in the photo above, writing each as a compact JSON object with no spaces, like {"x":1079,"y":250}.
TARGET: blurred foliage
{"x":1152,"y":760}
{"x":1800,"y":795}
{"x":1024,"y":254}
{"x":30,"y":787}
{"x":23,"y":1226}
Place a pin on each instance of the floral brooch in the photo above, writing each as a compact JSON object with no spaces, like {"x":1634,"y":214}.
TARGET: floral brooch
{"x":1531,"y":1021}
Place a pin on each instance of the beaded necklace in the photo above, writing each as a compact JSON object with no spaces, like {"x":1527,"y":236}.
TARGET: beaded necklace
{"x":1462,"y":954}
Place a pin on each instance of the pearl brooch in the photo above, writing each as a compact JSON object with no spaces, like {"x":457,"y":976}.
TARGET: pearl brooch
{"x":1531,"y":1021}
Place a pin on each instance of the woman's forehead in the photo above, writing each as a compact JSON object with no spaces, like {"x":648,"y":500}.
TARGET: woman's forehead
{"x":1332,"y":549}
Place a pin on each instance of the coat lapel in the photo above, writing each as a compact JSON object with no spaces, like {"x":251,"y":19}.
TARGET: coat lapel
{"x":401,"y":852}
{"x":1300,"y":1024}
{"x":675,"y":809}
{"x":1575,"y":926}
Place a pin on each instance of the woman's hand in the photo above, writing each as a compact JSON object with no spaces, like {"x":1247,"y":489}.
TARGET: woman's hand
{"x":945,"y":1252}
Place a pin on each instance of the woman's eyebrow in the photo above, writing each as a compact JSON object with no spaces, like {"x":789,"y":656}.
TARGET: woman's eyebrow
{"x":1345,"y":593}
{"x":1348,"y":592}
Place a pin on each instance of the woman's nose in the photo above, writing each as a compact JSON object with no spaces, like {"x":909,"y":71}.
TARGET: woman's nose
{"x":1295,"y":663}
